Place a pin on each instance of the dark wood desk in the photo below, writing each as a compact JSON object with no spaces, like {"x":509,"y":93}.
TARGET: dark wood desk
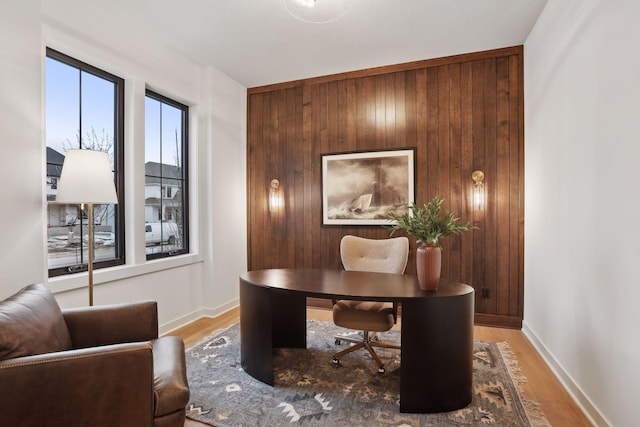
{"x":437,"y":327}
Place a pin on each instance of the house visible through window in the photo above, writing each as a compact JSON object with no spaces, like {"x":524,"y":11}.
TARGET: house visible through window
{"x":83,"y":110}
{"x":166,"y":172}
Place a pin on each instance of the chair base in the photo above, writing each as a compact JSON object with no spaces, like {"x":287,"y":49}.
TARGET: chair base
{"x":367,"y":341}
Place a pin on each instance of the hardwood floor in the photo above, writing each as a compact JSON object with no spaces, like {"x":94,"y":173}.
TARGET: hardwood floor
{"x":542,"y":386}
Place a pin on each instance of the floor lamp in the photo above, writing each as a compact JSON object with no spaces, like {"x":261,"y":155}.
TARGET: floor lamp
{"x":87,"y":179}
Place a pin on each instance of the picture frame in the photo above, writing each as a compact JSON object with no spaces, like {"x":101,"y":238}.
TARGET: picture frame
{"x":362,"y":188}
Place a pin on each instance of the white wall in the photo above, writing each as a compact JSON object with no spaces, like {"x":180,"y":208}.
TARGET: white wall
{"x":582,"y":245}
{"x":186,"y":287}
{"x":225,"y":169}
{"x":21,"y":182}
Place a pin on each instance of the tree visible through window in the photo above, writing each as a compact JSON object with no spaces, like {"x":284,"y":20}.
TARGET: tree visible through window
{"x":84,"y":110}
{"x":166,"y":201}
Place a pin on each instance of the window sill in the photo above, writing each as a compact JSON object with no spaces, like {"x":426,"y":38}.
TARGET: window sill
{"x":104,"y":275}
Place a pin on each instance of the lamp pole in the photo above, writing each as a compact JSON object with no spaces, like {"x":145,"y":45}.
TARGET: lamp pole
{"x":90,"y":243}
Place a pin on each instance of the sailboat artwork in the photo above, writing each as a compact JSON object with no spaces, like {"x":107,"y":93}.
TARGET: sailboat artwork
{"x":363,"y":188}
{"x":360,"y":203}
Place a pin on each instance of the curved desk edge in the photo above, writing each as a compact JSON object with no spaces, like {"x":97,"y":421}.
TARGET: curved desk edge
{"x":437,"y":333}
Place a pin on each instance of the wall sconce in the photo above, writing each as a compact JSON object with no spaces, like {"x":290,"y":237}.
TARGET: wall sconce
{"x":275,"y":201}
{"x":478,"y":188}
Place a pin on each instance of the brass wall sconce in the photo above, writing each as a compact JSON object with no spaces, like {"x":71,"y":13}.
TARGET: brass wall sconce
{"x":275,"y":201}
{"x":478,"y":188}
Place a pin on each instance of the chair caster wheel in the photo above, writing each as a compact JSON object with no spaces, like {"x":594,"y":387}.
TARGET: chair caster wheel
{"x":338,"y":342}
{"x":381,"y":370}
{"x":336,"y":361}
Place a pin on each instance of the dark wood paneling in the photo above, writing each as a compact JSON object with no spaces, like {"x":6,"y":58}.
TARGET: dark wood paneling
{"x":460,"y":113}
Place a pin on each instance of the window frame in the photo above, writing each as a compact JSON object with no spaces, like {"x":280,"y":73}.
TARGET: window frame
{"x":184,"y":177}
{"x":118,"y":160}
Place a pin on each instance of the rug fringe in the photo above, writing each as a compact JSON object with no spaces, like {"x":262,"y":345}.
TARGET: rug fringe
{"x":533,"y":411}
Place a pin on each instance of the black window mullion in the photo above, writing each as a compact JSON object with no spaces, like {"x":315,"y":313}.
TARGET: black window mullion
{"x":161,"y":172}
{"x":81,"y":208}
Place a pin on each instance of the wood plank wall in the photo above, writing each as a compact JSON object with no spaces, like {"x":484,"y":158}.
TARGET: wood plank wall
{"x":460,"y":113}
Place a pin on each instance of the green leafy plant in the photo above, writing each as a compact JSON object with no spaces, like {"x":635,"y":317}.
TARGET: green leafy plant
{"x":428,"y":223}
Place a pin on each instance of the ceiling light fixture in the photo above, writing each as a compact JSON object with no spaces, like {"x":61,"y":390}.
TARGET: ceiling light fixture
{"x":317,"y":11}
{"x":307,"y":3}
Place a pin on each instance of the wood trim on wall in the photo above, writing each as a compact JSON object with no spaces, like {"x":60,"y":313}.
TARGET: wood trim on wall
{"x":388,"y":69}
{"x":460,"y":113}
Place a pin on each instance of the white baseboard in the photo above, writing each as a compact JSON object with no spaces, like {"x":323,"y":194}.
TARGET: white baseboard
{"x":168,"y":327}
{"x":589,"y":409}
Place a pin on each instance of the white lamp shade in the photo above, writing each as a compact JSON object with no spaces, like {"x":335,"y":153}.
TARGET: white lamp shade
{"x":86,"y":178}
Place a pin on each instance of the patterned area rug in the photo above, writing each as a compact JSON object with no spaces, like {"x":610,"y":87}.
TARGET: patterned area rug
{"x":310,"y":391}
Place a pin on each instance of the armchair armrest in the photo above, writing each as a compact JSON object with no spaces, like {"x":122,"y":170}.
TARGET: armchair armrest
{"x":112,"y":324}
{"x":103,"y":386}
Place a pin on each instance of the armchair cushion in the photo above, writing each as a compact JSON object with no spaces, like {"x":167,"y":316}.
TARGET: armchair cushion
{"x":103,"y":386}
{"x":31,"y":323}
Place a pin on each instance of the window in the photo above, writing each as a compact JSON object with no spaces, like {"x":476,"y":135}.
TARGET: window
{"x":84,"y":109}
{"x":166,"y":172}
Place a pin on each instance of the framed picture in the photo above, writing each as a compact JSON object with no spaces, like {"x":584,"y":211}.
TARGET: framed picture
{"x":363,"y":188}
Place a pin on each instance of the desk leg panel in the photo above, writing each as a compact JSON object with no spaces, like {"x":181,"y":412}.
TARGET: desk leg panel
{"x":289,"y":320}
{"x":437,"y":354}
{"x":256,"y":351}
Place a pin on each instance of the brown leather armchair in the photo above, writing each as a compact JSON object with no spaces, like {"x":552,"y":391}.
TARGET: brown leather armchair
{"x":93,"y":366}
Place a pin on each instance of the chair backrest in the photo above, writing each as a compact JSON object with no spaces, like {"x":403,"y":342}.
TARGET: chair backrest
{"x":377,"y":255}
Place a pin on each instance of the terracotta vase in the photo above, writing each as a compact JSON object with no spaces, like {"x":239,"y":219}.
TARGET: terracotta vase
{"x":428,"y":266}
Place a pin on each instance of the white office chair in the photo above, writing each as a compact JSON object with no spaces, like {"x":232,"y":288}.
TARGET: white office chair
{"x":382,"y":256}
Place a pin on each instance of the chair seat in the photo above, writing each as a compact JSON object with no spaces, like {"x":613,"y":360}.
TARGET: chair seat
{"x":363,"y":315}
{"x":171,"y":389}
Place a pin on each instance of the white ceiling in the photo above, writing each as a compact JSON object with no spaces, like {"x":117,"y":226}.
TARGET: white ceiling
{"x":257,"y":42}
